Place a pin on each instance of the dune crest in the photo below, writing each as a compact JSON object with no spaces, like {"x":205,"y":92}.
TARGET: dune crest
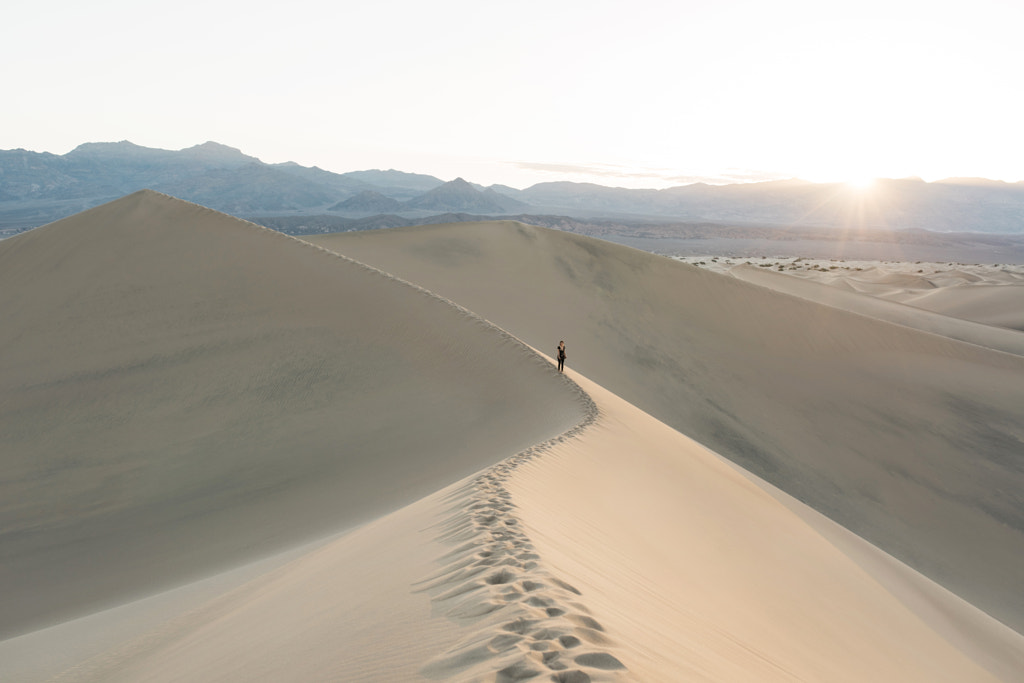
{"x":699,"y":571}
{"x":910,"y":439}
{"x":187,"y":393}
{"x":526,"y":621}
{"x":620,"y":550}
{"x":184,"y":391}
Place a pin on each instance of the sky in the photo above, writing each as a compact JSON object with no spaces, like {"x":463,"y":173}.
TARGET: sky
{"x":633,"y":93}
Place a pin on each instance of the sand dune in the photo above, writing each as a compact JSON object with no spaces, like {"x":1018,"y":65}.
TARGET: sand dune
{"x":571,"y":562}
{"x":182,"y":391}
{"x":883,"y":303}
{"x":987,"y":294}
{"x":727,"y":560}
{"x":910,"y":439}
{"x":998,"y":305}
{"x":185,"y":392}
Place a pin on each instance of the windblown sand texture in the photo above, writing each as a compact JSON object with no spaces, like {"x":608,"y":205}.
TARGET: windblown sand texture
{"x":233,"y":455}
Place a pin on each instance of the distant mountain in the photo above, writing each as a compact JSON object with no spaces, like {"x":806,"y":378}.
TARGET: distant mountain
{"x":947,"y":206}
{"x":459,"y":195}
{"x":506,"y":190}
{"x":504,"y":201}
{"x":396,"y":184}
{"x":220,"y":176}
{"x":37,"y":188}
{"x":340,"y":183}
{"x":209,"y":154}
{"x":368,"y":201}
{"x":254,"y":187}
{"x":982,"y":182}
{"x":591,"y":198}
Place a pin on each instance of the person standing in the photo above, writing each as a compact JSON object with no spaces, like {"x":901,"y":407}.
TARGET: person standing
{"x":561,"y":355}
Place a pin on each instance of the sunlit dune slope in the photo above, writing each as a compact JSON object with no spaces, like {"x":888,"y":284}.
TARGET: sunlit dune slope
{"x":1000,"y":305}
{"x":181,"y":390}
{"x":912,"y":440}
{"x":992,"y":295}
{"x":842,"y":295}
{"x":699,"y":572}
{"x":623,"y":551}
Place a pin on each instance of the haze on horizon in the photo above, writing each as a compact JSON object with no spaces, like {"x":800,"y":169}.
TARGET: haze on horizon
{"x":649,"y":94}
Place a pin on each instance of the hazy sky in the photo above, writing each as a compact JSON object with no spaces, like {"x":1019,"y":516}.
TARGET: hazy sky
{"x":637,"y":93}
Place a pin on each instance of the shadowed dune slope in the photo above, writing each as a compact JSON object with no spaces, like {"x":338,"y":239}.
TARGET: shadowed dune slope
{"x":181,"y":391}
{"x":911,"y":440}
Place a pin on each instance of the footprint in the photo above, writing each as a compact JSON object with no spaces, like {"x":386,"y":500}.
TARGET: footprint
{"x":550,"y":660}
{"x":547,"y":633}
{"x":505,"y":576}
{"x":593,"y":637}
{"x":586,"y":622}
{"x":599,"y":660}
{"x":569,"y":642}
{"x":566,"y":586}
{"x":495,"y":567}
{"x":520,"y":625}
{"x":520,"y":671}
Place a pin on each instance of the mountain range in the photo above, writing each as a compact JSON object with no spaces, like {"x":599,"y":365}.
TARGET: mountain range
{"x":39,"y":187}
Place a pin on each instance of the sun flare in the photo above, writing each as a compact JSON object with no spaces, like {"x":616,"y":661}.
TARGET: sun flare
{"x":860,"y":184}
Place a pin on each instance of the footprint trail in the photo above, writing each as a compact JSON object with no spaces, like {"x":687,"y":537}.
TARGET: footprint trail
{"x":532,"y":626}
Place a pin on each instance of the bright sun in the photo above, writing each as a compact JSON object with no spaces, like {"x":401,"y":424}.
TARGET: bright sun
{"x":861,"y":184}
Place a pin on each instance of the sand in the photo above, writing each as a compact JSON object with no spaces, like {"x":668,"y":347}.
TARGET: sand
{"x":570,"y":559}
{"x":884,"y":298}
{"x":910,"y":439}
{"x":233,"y":455}
{"x":990,"y":294}
{"x":184,"y":391}
{"x":727,"y":560}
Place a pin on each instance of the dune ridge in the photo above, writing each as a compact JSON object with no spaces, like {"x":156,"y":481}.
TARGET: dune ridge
{"x":537,"y":526}
{"x":569,"y":562}
{"x":738,"y":581}
{"x":490,"y":597}
{"x":911,"y":440}
{"x":532,"y":621}
{"x":184,"y":391}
